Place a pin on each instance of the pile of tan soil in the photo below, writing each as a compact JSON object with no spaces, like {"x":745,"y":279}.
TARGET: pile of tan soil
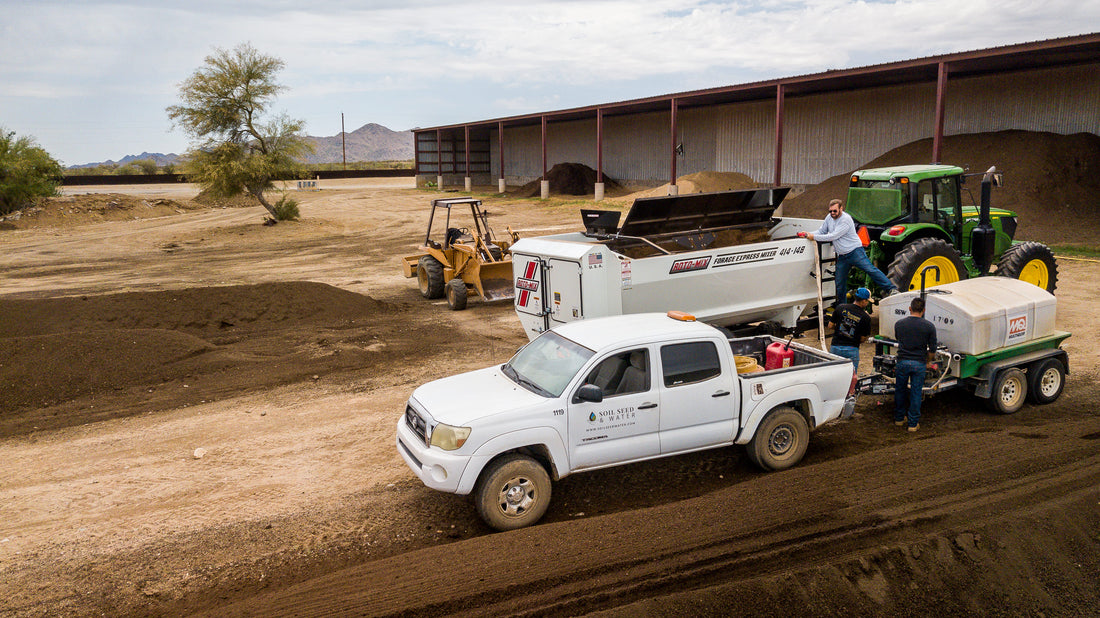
{"x":569,"y":179}
{"x":213,"y":339}
{"x":90,"y":208}
{"x":1051,"y":181}
{"x":702,"y":182}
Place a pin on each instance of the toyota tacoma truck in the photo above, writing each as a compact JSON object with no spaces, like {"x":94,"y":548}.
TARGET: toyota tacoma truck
{"x":609,"y":391}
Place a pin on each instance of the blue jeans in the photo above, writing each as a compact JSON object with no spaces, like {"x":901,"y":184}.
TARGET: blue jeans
{"x":857,"y":258}
{"x":848,"y":352}
{"x":908,"y":390}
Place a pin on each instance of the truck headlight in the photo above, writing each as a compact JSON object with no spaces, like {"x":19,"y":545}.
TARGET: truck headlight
{"x":449,"y":438}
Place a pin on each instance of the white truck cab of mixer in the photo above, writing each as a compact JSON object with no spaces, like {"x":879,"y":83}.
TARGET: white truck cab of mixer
{"x":609,"y":391}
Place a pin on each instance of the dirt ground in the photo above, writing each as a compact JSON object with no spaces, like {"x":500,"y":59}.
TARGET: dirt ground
{"x":198,"y":416}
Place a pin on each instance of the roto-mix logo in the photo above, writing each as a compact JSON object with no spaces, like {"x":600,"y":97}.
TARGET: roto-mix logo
{"x":527,"y":284}
{"x":689,"y":264}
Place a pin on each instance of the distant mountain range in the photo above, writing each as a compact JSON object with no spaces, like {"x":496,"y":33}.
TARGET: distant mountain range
{"x":370,"y":142}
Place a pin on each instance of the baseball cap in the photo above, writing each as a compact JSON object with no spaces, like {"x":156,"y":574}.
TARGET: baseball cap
{"x":863,"y":293}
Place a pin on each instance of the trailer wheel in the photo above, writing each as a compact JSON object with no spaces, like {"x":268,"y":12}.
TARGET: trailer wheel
{"x":780,"y":440}
{"x":429,"y":276}
{"x":456,"y":294}
{"x":914,"y":257}
{"x":1046,"y":379}
{"x":1009,"y":391}
{"x":1032,"y":262}
{"x":513,"y":492}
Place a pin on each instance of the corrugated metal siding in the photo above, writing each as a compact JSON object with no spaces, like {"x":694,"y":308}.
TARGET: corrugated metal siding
{"x":745,"y":139}
{"x":1065,"y":101}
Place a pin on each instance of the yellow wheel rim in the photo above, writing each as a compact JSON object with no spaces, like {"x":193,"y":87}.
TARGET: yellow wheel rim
{"x":948,"y":273}
{"x":1036,"y":273}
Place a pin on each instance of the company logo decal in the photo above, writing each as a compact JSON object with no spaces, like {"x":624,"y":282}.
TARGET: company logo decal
{"x":1017,"y":327}
{"x":748,"y":257}
{"x":689,"y":264}
{"x":527,"y":284}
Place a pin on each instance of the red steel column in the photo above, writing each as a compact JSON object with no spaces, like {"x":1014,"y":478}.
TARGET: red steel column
{"x":544,"y":147}
{"x":467,"y":127}
{"x":941,"y":96}
{"x":779,"y":96}
{"x":599,"y":144}
{"x":500,"y":146}
{"x":672,"y":130}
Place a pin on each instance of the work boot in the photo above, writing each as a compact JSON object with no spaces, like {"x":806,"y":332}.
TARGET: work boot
{"x":914,"y":428}
{"x":899,"y":423}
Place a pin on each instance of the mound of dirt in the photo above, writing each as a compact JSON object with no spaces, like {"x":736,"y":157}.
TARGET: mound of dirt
{"x":207,"y":340}
{"x":568,"y":179}
{"x":90,"y":208}
{"x":243,"y":200}
{"x":1050,"y":180}
{"x":702,"y":182}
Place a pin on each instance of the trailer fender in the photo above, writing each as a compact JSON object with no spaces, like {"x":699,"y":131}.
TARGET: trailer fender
{"x":542,"y":443}
{"x":983,"y":382}
{"x":801,"y":397}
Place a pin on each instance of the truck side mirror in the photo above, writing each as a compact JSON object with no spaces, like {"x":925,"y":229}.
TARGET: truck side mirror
{"x":590,"y":393}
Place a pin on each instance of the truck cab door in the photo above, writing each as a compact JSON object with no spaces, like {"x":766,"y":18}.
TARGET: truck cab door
{"x":622,"y":427}
{"x":700,"y":397}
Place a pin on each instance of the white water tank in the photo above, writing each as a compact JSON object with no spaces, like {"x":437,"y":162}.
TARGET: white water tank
{"x":978,"y":315}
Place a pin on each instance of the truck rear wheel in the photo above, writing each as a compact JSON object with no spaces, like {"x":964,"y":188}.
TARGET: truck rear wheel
{"x":429,"y":276}
{"x":513,"y":492}
{"x":1032,"y":262}
{"x":1045,"y":380}
{"x":456,"y":294}
{"x":780,"y":440}
{"x":1009,"y":391}
{"x":914,"y":257}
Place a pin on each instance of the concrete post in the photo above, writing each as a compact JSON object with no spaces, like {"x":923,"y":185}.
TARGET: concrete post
{"x":544,"y":186}
{"x":674,"y":189}
{"x":439,"y":182}
{"x":599,"y":191}
{"x":468,"y":184}
{"x":501,"y":187}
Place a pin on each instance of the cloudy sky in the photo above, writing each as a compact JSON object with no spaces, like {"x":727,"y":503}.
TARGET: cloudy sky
{"x":90,"y":79}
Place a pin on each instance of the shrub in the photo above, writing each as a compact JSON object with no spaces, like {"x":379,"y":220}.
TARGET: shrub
{"x":286,"y":209}
{"x":26,"y":172}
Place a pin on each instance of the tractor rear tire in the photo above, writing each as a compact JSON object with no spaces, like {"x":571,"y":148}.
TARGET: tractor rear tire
{"x":914,"y":257}
{"x":1032,"y":262}
{"x":456,"y":294}
{"x":429,"y":276}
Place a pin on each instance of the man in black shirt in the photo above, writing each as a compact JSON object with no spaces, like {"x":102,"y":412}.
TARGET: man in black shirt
{"x":917,"y":348}
{"x":853,"y":325}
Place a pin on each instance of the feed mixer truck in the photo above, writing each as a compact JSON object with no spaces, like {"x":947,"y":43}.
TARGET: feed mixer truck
{"x":721,"y":256}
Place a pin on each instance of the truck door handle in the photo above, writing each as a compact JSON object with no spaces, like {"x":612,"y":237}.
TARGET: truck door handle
{"x":720,"y":394}
{"x":647,"y":406}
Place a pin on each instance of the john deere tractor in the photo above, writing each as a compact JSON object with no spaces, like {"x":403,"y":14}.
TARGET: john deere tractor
{"x":912,"y":217}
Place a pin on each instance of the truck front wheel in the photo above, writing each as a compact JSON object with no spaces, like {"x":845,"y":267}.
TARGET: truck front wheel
{"x":780,"y":440}
{"x":513,"y":492}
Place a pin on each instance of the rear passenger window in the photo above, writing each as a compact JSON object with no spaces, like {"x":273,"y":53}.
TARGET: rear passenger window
{"x":684,"y":363}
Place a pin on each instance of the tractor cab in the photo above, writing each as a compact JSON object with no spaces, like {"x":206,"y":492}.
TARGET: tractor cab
{"x":912,"y":216}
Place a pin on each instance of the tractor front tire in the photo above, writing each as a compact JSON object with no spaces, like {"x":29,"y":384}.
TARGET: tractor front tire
{"x":1032,"y":262}
{"x":456,"y":294}
{"x":908,"y":264}
{"x":429,"y":276}
{"x":513,"y":492}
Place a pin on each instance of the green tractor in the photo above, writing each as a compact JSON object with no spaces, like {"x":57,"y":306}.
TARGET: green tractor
{"x":912,"y":217}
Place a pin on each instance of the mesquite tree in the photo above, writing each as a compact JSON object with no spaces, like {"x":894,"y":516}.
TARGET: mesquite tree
{"x":236,"y":148}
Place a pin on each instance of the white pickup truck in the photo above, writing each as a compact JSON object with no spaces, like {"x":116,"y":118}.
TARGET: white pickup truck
{"x":609,"y":391}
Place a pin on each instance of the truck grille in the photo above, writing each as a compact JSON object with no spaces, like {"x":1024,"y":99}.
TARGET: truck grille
{"x":416,"y":424}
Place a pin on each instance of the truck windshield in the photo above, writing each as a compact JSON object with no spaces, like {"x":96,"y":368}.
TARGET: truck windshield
{"x":547,"y":364}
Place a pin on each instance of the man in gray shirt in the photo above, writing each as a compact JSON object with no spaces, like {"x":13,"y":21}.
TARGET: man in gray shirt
{"x":840,"y":229}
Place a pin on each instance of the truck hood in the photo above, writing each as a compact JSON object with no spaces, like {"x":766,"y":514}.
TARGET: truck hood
{"x":461,"y":399}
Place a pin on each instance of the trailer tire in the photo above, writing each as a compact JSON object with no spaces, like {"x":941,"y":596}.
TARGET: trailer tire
{"x":429,"y":276}
{"x":781,"y":439}
{"x":513,"y":492}
{"x":456,"y":294}
{"x":1032,"y":262}
{"x":1009,"y":391}
{"x":1045,"y":380}
{"x":914,"y":257}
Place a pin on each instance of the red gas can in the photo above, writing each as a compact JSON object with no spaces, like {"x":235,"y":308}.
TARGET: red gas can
{"x":779,"y":355}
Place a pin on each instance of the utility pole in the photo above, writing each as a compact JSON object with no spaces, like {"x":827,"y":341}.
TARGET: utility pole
{"x":343,"y":136}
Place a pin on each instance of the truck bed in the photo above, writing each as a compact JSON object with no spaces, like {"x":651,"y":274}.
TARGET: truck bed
{"x":755,"y":347}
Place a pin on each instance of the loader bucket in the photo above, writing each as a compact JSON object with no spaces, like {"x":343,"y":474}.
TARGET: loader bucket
{"x":493,"y":281}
